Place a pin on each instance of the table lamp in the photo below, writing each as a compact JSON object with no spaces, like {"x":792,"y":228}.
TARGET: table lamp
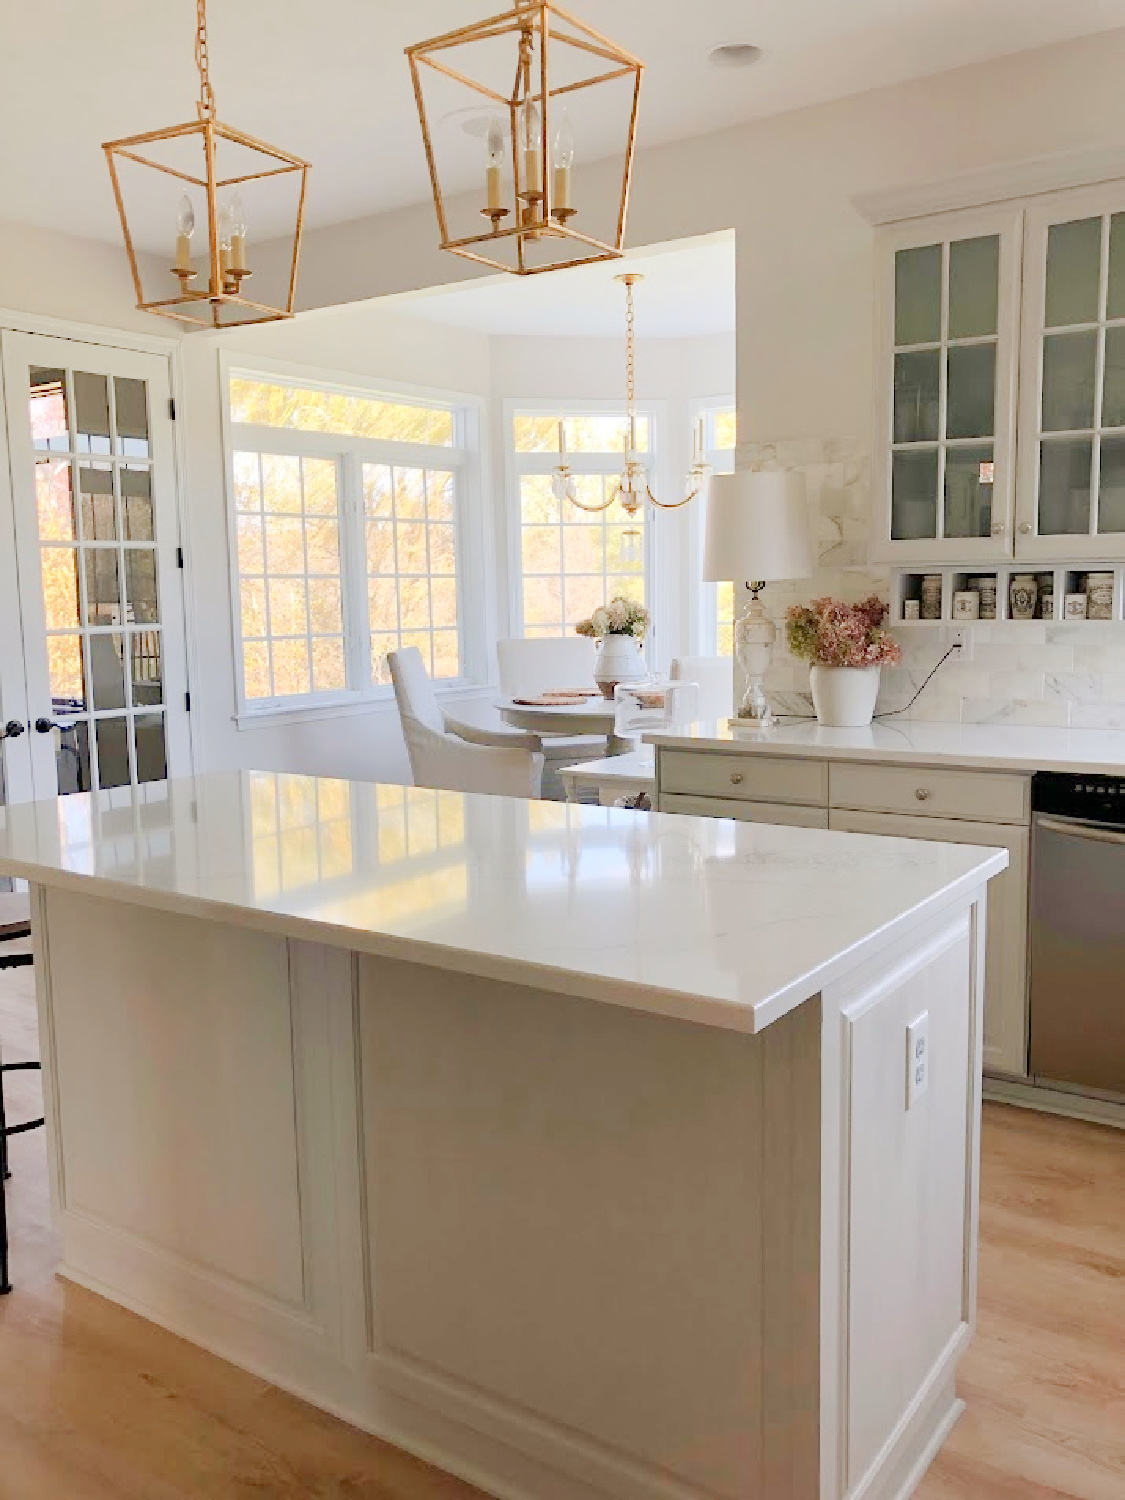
{"x":757,"y":531}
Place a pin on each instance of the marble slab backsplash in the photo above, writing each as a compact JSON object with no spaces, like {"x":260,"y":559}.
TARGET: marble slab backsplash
{"x":1049,"y":675}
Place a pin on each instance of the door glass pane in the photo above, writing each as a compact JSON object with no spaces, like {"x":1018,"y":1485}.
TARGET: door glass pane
{"x":91,"y":413}
{"x":1064,"y":486}
{"x":103,"y":587}
{"x":144,"y":668}
{"x":968,"y":491}
{"x":131,"y":404}
{"x":918,"y":295}
{"x":136,"y":503}
{"x":47,"y":409}
{"x":970,"y":398}
{"x":54,"y":500}
{"x":95,"y":489}
{"x":140,"y":585}
{"x":113,"y":752}
{"x":1115,"y":300}
{"x":66,"y":673}
{"x":1113,"y":383}
{"x":72,"y":758}
{"x":914,"y":488}
{"x":107,"y":671}
{"x":1069,"y":371}
{"x":917,"y":396}
{"x":1073,"y":269}
{"x":1111,"y":486}
{"x":152,"y":761}
{"x":61,"y":605}
{"x":974,"y":286}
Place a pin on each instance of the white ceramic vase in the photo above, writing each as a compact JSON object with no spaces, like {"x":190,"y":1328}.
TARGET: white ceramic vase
{"x":619,"y":659}
{"x":844,"y":697}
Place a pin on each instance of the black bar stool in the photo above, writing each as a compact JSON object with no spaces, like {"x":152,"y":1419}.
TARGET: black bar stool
{"x":15,"y":924}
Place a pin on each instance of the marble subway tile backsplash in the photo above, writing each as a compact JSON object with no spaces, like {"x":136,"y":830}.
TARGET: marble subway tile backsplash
{"x":1048,"y":675}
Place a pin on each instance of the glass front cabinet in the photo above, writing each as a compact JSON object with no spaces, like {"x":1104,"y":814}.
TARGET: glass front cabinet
{"x":1000,"y":387}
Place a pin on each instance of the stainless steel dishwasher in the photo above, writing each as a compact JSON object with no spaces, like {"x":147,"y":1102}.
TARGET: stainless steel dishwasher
{"x":1078,"y":932}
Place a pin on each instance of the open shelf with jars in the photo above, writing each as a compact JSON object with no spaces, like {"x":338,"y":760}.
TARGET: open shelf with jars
{"x":1014,"y":593}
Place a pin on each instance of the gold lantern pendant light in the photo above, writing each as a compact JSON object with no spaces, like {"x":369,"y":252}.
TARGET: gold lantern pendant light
{"x":528,"y":132}
{"x":221,"y":301}
{"x":632,"y":487}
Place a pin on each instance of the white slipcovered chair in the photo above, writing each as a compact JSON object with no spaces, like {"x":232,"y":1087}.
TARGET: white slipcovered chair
{"x":542,"y":665}
{"x":715,"y":678}
{"x":506,"y":762}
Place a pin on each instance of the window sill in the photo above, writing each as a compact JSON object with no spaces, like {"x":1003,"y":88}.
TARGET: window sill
{"x":379,"y":703}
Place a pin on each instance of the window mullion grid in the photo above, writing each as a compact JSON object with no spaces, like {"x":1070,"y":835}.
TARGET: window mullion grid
{"x":356,"y":621}
{"x":265,"y":575}
{"x":1099,"y":377}
{"x":429,"y":568}
{"x":943,"y":390}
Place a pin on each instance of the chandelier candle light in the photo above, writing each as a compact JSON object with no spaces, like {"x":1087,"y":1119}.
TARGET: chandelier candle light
{"x":524,"y":70}
{"x":631,"y":487}
{"x":175,"y":152}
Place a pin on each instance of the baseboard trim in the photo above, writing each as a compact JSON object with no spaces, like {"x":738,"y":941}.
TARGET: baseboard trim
{"x":1050,"y":1101}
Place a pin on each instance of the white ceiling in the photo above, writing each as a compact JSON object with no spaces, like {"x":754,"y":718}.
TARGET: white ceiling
{"x":328,"y":79}
{"x":688,"y":291}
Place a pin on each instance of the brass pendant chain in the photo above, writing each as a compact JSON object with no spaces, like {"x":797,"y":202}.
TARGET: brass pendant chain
{"x":206,"y":105}
{"x":630,"y":356}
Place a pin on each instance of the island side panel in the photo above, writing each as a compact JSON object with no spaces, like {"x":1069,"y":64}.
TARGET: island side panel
{"x":577,"y":1215}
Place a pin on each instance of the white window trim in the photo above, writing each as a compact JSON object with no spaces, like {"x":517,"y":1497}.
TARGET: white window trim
{"x":721,"y":461}
{"x":517,"y":464}
{"x":467,"y":458}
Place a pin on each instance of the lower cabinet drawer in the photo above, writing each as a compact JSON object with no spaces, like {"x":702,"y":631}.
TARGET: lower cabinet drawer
{"x":753,"y":777}
{"x":987,"y":796}
{"x":745,"y":812}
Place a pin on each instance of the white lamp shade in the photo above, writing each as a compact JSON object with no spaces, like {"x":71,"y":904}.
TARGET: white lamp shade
{"x":757,"y":528}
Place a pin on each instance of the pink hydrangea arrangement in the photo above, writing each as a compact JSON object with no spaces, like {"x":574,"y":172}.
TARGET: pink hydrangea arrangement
{"x":835,"y":634}
{"x":621,"y":616}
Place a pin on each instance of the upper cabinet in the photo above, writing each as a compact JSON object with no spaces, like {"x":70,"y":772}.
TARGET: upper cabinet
{"x":1000,"y":383}
{"x":947,"y":345}
{"x":1071,"y":491}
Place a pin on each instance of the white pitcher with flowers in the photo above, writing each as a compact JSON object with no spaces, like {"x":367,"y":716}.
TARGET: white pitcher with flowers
{"x":619,"y":628}
{"x":847,"y":648}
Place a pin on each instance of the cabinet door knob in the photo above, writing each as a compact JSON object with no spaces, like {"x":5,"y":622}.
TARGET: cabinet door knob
{"x":736,"y":778}
{"x":1025,"y":528}
{"x":922,"y":793}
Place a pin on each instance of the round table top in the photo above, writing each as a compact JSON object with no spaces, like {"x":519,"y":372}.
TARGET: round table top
{"x":596,"y":716}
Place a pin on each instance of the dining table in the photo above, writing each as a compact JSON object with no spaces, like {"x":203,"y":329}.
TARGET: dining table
{"x":595,"y":715}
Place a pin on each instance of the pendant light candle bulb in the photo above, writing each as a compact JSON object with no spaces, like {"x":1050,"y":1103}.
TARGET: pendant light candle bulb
{"x":531,"y":133}
{"x":562,"y":155}
{"x":185,"y":228}
{"x":237,"y":234}
{"x":494,"y":160}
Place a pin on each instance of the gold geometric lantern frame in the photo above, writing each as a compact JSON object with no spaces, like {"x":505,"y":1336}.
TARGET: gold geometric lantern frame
{"x":205,"y":306}
{"x":540,"y":30}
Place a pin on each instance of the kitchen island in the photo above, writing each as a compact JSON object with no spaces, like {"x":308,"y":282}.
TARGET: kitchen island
{"x":576,"y":1150}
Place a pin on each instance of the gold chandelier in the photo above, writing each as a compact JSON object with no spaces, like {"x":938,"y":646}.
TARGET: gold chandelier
{"x":216,"y":160}
{"x":523,"y":71}
{"x":632,"y":487}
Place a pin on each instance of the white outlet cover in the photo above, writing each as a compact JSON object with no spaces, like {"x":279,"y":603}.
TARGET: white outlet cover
{"x":917,"y":1058}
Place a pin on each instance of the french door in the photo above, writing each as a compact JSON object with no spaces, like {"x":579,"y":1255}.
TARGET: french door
{"x":92,"y":658}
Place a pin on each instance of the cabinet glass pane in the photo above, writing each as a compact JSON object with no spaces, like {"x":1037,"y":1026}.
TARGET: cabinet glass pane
{"x":1068,"y":381}
{"x":918,"y":295}
{"x":1115,"y":300}
{"x":968,"y":491}
{"x":1074,"y":253}
{"x":914,"y":486}
{"x":971,"y":393}
{"x":91,"y":412}
{"x":974,"y":286}
{"x":917,"y":396}
{"x":1064,"y":486}
{"x":1113,"y":382}
{"x":1111,"y":486}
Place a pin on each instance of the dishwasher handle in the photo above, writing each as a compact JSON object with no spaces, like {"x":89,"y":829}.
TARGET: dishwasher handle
{"x":1075,"y":830}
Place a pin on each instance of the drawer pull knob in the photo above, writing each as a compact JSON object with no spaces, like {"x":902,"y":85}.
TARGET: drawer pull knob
{"x":922,"y":793}
{"x":736,"y":778}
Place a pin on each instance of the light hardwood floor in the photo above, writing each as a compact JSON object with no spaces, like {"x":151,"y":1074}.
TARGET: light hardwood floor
{"x":96,"y":1404}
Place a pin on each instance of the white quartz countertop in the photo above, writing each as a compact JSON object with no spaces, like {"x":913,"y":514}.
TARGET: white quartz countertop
{"x":981,"y":746}
{"x":724,"y":923}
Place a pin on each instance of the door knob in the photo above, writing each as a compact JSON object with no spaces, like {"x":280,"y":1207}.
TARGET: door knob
{"x":12,"y":730}
{"x":44,"y":726}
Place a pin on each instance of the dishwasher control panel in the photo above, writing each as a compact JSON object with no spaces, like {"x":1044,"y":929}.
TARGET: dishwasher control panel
{"x":1085,"y":795}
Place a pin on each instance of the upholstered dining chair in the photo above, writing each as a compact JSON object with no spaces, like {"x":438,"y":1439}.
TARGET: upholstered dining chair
{"x":506,"y":762}
{"x":714,"y":676}
{"x":541,"y":665}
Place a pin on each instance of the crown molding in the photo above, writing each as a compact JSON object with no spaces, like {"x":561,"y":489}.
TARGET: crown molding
{"x":993,"y":184}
